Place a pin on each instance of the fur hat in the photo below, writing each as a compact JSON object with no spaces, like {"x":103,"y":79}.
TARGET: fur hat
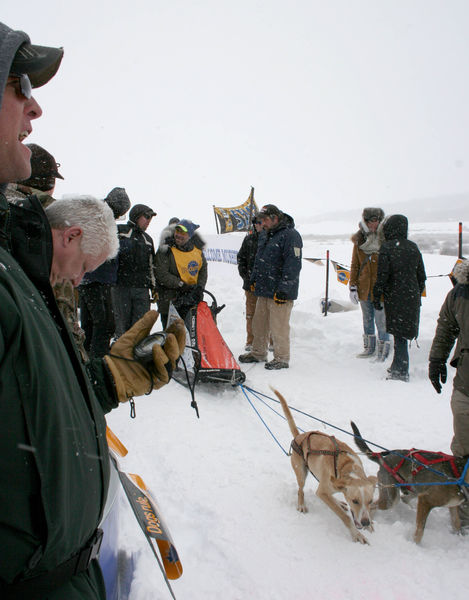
{"x":461,"y":271}
{"x":372,"y":213}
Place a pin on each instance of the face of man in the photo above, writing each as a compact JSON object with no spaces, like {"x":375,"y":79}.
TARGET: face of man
{"x":143,"y":221}
{"x":258,"y":226}
{"x":69,"y":261}
{"x":269,"y":222}
{"x":16,"y":114}
{"x":180,"y":236}
{"x":372,"y":224}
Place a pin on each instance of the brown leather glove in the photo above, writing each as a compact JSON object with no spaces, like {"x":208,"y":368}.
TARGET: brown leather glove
{"x":131,"y":378}
{"x":175,"y":341}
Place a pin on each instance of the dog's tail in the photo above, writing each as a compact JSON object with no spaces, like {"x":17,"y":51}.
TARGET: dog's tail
{"x":288,"y":415}
{"x":362,"y":445}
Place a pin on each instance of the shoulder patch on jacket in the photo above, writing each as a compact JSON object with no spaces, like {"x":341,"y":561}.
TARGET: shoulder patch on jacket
{"x":297,"y":251}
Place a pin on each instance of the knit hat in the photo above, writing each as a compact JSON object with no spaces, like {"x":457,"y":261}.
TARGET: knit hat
{"x":140,"y":209}
{"x":187,"y":226}
{"x":372,"y":213}
{"x":119,"y":201}
{"x":44,"y":169}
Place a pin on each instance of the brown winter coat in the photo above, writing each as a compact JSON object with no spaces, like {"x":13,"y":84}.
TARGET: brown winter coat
{"x":364,"y":269}
{"x":453,"y":324}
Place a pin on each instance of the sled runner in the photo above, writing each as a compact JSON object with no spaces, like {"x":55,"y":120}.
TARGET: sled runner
{"x":208,"y":358}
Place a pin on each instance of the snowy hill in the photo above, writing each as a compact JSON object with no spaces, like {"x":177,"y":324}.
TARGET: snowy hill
{"x":445,"y":209}
{"x":227,"y":489}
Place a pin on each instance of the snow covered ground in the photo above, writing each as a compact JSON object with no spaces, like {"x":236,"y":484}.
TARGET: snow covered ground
{"x":228,"y":493}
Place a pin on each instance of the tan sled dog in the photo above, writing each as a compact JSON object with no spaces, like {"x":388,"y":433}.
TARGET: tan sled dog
{"x":337,"y":469}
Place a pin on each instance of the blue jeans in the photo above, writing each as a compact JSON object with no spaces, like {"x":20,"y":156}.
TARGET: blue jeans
{"x":400,"y":361}
{"x":372,"y":316}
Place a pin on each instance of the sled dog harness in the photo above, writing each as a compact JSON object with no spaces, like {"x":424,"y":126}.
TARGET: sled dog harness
{"x":335,"y":453}
{"x":424,"y":458}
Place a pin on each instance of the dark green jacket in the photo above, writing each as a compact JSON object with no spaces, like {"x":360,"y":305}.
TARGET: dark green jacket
{"x":453,"y":325}
{"x":166,"y":271}
{"x":54,"y":466}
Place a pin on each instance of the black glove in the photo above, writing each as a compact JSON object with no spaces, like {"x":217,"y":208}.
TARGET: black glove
{"x":377,"y":305}
{"x":437,"y":373}
{"x":280,"y":298}
{"x":184,"y":287}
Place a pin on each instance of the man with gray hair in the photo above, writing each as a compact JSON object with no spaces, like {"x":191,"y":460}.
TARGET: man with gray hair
{"x":54,"y":464}
{"x":84,"y":235}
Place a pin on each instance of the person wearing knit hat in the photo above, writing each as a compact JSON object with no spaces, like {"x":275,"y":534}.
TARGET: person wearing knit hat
{"x":180,"y":268}
{"x":363,"y":272}
{"x":135,"y":275}
{"x":95,"y":290}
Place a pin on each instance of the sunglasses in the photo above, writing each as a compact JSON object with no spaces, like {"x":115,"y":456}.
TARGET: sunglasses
{"x":372,"y":220}
{"x":148,"y":215}
{"x":26,"y":88}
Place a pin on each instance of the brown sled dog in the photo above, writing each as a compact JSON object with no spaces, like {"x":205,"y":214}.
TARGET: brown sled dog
{"x":397,"y":466}
{"x":338,"y":469}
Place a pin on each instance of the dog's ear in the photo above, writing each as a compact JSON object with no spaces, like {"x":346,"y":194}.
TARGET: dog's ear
{"x":373,"y":479}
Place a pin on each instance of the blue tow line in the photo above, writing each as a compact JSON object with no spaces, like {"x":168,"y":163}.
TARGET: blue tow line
{"x":460,"y":482}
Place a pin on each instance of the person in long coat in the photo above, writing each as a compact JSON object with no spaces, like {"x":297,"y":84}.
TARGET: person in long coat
{"x":363,"y":273}
{"x":400,"y":283}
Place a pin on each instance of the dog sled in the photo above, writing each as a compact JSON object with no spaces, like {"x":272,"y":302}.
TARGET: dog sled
{"x":207,"y":358}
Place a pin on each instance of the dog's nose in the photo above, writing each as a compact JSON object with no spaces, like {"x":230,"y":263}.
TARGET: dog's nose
{"x":365,"y":522}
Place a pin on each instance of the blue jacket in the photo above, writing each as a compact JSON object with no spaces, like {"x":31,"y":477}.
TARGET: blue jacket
{"x":278,"y":261}
{"x":105,"y":273}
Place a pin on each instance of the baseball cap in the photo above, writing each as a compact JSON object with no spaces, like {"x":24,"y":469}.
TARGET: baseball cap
{"x":39,"y":63}
{"x":269,"y":210}
{"x":187,"y":226}
{"x":44,"y":169}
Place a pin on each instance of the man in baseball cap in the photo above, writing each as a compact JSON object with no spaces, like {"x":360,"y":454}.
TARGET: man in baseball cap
{"x":23,"y":67}
{"x":269,"y":210}
{"x":44,"y":170}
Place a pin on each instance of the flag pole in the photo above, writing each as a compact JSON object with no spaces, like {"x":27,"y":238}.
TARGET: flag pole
{"x":326,"y":299}
{"x":250,"y":208}
{"x":215,"y":215}
{"x":460,"y":241}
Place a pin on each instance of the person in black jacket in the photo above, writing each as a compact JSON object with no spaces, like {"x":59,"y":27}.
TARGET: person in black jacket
{"x":275,"y":281}
{"x":400,"y":283}
{"x":245,"y":259}
{"x":96,"y":308}
{"x":135,"y":276}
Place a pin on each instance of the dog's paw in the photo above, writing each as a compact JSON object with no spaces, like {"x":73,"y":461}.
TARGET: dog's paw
{"x":370,"y":528}
{"x":344,"y":506}
{"x":359,"y":537}
{"x":302,"y":508}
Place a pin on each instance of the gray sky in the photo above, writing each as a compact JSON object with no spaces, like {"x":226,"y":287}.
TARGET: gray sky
{"x":318,"y":104}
